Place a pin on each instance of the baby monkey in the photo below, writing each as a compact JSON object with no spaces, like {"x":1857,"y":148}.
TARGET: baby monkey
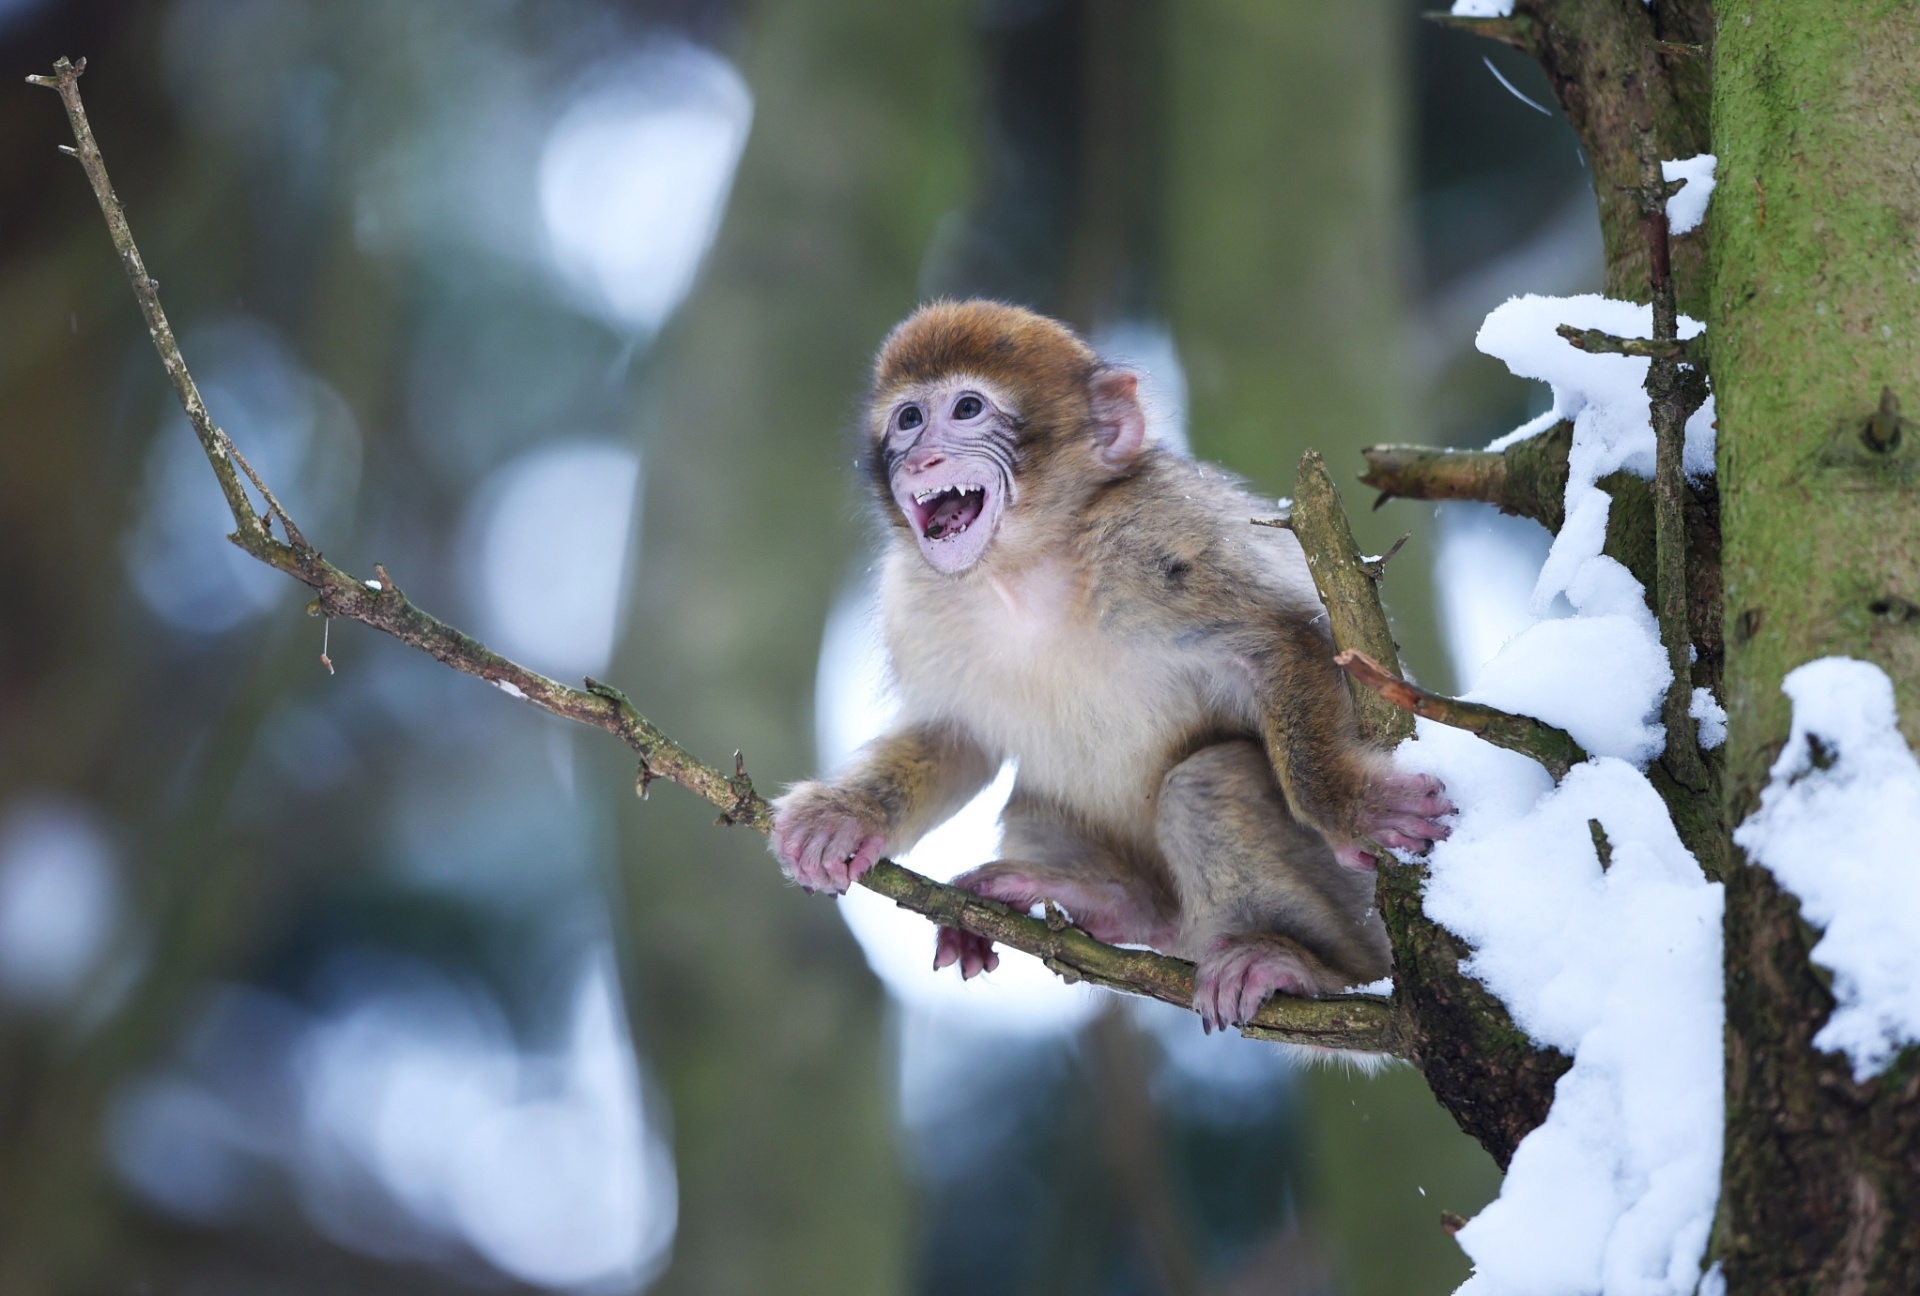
{"x":1059,"y":590}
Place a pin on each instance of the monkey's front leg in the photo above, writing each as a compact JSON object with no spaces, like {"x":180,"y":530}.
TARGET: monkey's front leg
{"x":1349,"y":792}
{"x":826,"y":835}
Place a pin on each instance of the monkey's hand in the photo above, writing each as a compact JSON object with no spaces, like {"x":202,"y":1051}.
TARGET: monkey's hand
{"x":826,"y":837}
{"x":1401,"y":811}
{"x":1105,"y":909}
{"x":1237,"y":973}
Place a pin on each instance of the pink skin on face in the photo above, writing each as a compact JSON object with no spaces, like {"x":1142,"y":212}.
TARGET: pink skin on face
{"x":954,"y":444}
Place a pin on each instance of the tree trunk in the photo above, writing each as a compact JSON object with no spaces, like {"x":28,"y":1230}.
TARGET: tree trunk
{"x":1814,"y":301}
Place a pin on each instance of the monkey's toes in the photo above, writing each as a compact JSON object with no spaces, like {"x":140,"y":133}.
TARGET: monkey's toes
{"x":975,"y":954}
{"x":1239,"y":972}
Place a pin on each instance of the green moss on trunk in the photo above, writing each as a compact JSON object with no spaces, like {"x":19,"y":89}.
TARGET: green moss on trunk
{"x":1815,"y":306}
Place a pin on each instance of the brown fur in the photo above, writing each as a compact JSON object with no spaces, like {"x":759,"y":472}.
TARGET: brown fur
{"x":1160,"y":668}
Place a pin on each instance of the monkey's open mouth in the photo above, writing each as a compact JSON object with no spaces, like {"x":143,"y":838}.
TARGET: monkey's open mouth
{"x":944,"y":513}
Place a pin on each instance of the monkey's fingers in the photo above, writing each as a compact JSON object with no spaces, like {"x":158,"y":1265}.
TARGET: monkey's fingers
{"x":865,"y":855}
{"x":841,"y":849}
{"x":1416,"y":826}
{"x":1415,"y":794}
{"x":810,"y":867}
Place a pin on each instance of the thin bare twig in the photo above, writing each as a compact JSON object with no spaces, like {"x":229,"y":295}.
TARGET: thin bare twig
{"x":1676,"y":387}
{"x":1552,"y":747}
{"x":1655,"y":347}
{"x":1353,"y":1022}
{"x":66,"y":81}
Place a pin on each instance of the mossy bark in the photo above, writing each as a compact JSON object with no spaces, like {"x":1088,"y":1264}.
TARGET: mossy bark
{"x":1815,"y":305}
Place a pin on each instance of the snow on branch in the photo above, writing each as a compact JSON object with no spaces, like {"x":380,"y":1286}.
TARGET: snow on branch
{"x":1364,"y":1023}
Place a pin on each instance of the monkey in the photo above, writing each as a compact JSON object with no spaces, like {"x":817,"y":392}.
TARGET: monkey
{"x":1059,"y":589}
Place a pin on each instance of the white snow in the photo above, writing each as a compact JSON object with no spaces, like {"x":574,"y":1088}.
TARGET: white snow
{"x":1603,"y":395}
{"x":1617,"y":966}
{"x":1620,"y":968}
{"x":1483,"y":8}
{"x":1710,"y":716}
{"x":1839,"y":825}
{"x":1686,"y":209}
{"x":1599,"y":674}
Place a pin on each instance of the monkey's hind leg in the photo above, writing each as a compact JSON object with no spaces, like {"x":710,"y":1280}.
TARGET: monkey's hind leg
{"x":1107,"y":894}
{"x":1264,"y":904}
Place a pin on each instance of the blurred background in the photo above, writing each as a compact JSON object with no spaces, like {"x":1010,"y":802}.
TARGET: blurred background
{"x":379,"y":980}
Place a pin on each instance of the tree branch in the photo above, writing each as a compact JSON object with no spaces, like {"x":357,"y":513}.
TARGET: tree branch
{"x":1528,"y":478}
{"x":1484,"y":1070}
{"x":1553,"y":748}
{"x":66,"y":81}
{"x":1515,"y":30}
{"x":1676,"y":387}
{"x":1656,"y":347}
{"x":1358,"y":1022}
{"x":1617,"y":70}
{"x":1348,"y":590}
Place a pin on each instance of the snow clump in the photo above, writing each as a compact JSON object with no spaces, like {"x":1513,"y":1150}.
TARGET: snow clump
{"x":1686,"y":209}
{"x":1588,"y":916}
{"x":1710,"y":716}
{"x":1839,"y":825}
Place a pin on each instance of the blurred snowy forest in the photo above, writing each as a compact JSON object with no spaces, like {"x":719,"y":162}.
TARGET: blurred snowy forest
{"x":373,"y":980}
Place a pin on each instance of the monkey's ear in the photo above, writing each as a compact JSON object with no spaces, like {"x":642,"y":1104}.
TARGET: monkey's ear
{"x":1118,"y":420}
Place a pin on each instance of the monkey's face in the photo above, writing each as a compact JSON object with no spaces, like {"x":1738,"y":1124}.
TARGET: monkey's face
{"x":947,"y":448}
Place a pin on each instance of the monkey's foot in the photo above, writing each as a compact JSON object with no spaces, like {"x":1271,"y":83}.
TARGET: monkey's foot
{"x":1237,"y":973}
{"x":1106,"y":910}
{"x":1403,"y":812}
{"x":825,"y":838}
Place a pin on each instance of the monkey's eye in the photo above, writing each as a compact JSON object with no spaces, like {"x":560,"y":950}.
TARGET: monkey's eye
{"x":967,"y":407}
{"x":911,"y":418}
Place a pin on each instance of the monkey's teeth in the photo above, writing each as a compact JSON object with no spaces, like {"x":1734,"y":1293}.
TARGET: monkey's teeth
{"x":937,"y":491}
{"x":950,"y":510}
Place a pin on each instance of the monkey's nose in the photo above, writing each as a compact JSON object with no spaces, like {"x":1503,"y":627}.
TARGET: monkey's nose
{"x":922,"y":460}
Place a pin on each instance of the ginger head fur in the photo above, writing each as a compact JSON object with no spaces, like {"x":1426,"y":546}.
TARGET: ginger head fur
{"x":983,"y":399}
